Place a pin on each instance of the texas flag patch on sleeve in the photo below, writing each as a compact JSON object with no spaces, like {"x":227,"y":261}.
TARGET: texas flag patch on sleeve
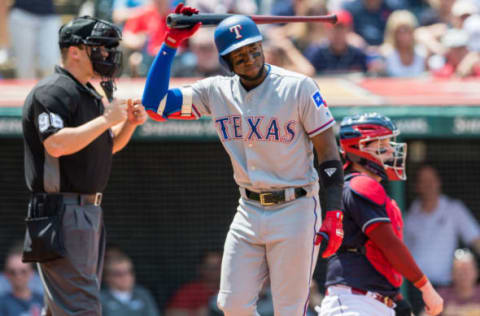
{"x":317,"y":98}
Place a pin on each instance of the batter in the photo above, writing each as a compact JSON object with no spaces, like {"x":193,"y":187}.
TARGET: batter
{"x":269,"y":121}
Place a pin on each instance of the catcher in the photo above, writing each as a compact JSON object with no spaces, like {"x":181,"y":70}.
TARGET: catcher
{"x":364,"y":276}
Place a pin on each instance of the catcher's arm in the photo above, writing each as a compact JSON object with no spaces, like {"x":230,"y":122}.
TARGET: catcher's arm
{"x":400,"y":258}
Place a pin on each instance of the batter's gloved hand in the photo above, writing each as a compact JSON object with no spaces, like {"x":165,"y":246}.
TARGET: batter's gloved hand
{"x":332,"y":232}
{"x":433,"y":301}
{"x":175,"y":37}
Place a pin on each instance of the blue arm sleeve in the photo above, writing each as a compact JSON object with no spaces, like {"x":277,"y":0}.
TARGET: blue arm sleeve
{"x":156,"y":86}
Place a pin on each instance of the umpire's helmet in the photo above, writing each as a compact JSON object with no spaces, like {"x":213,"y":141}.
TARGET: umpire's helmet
{"x":234,"y":32}
{"x":357,"y":131}
{"x":90,"y":31}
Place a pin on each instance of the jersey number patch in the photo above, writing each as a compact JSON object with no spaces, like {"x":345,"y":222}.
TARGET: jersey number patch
{"x":45,"y":120}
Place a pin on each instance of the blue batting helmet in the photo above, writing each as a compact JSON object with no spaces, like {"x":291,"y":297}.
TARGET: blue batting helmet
{"x":234,"y":32}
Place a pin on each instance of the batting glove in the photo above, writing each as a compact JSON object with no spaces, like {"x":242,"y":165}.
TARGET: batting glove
{"x":332,"y":232}
{"x":174,"y":36}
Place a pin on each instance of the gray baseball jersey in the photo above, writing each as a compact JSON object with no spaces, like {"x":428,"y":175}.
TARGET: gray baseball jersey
{"x":266,"y":131}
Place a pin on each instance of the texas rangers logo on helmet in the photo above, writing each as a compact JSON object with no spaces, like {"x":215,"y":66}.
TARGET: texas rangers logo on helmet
{"x":236,"y":28}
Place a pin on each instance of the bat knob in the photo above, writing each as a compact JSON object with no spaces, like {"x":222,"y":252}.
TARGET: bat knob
{"x":334,"y":19}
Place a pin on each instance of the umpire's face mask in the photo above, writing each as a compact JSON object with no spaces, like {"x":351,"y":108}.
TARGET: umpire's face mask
{"x":106,"y":61}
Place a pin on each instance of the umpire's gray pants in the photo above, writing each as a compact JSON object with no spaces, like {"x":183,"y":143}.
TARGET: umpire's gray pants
{"x":72,"y":283}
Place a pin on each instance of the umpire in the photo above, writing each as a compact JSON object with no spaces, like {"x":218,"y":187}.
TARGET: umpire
{"x":70,"y":138}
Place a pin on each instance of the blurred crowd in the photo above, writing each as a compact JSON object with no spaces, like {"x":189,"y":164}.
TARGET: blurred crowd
{"x":440,"y":231}
{"x":21,"y":291}
{"x":379,"y":38}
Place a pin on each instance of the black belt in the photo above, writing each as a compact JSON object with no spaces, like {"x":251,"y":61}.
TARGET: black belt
{"x":83,"y":199}
{"x":274,"y":197}
{"x":75,"y":198}
{"x":360,"y":250}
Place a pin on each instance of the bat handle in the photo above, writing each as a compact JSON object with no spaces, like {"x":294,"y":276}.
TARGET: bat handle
{"x":180,"y":21}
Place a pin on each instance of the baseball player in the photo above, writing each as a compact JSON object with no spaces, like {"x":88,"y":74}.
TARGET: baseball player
{"x":364,"y":276}
{"x":269,"y":120}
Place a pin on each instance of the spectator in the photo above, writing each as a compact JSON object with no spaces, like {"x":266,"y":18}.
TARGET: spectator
{"x":123,"y":9}
{"x":3,"y":32}
{"x":337,"y":56}
{"x":434,"y":225}
{"x":34,"y":284}
{"x":21,"y":300}
{"x":285,"y":7}
{"x":403,"y":58}
{"x":144,"y":33}
{"x":461,"y":10}
{"x":192,"y":298}
{"x":458,"y":60}
{"x":103,"y":9}
{"x":281,"y":52}
{"x":472,"y":27}
{"x":201,"y":60}
{"x":370,"y":18}
{"x":463,"y":297}
{"x":452,"y":14}
{"x":33,"y":26}
{"x":123,"y":296}
{"x":247,"y":7}
{"x":436,"y":12}
{"x":303,"y":35}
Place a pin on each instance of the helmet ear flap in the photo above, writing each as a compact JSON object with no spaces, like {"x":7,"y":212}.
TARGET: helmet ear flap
{"x":226,"y":63}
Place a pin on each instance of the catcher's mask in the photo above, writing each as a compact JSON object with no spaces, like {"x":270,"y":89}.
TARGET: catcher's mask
{"x":232,"y":33}
{"x":358,"y":131}
{"x":96,"y":34}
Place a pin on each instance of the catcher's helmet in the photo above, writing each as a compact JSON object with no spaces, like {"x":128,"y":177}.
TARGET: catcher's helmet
{"x":357,"y":131}
{"x":234,"y":32}
{"x":94,"y":32}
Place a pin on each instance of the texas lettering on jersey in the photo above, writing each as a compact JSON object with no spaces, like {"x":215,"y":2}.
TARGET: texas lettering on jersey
{"x":258,"y":128}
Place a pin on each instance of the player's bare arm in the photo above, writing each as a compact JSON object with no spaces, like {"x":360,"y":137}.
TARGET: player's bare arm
{"x":401,"y":259}
{"x":326,"y":146}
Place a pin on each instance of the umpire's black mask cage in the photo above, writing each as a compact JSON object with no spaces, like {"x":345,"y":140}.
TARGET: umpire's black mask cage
{"x":102,"y":36}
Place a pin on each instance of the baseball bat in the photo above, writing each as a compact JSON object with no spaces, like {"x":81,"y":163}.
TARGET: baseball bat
{"x":180,"y":21}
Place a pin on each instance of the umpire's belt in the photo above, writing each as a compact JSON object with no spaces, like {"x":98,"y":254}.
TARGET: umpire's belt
{"x":273,"y":197}
{"x":83,"y":199}
{"x":75,"y":198}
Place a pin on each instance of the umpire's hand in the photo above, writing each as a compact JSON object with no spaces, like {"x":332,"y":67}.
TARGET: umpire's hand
{"x":116,"y":112}
{"x":136,"y":112}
